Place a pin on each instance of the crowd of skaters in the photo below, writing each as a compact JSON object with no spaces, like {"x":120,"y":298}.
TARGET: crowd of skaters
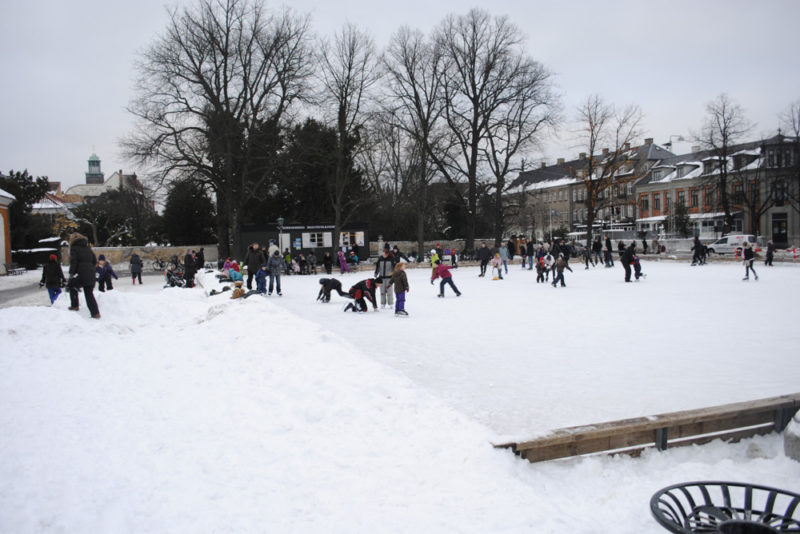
{"x":389,"y":284}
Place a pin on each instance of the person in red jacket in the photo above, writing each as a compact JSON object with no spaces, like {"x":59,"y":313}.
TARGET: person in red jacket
{"x":443,"y":272}
{"x":360,"y":291}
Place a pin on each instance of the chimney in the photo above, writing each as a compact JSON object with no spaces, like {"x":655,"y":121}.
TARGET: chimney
{"x":582,"y":155}
{"x":696,"y":148}
{"x":605,"y":152}
{"x":648,"y":141}
{"x":560,"y":161}
{"x":544,"y":164}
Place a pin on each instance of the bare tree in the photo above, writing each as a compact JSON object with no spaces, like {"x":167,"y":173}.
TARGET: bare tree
{"x":749,"y":183}
{"x":348,"y":71}
{"x":484,"y":69}
{"x":414,"y":76}
{"x":529,"y":106}
{"x":212,"y":92}
{"x":724,"y":125}
{"x":607,"y":134}
{"x":788,"y":185}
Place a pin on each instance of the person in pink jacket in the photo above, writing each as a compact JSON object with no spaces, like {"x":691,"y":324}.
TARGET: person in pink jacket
{"x":443,"y":272}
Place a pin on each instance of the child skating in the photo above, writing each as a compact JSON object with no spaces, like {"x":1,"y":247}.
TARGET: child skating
{"x":497,"y":267}
{"x":443,"y":272}
{"x":399,"y":281}
{"x":561,"y":264}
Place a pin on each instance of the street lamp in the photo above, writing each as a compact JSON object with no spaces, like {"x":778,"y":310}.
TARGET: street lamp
{"x":280,"y":234}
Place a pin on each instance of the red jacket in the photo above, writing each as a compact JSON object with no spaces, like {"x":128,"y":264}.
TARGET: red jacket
{"x":443,"y":271}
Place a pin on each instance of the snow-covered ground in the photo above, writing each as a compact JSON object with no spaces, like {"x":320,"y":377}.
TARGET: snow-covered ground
{"x":178,"y":412}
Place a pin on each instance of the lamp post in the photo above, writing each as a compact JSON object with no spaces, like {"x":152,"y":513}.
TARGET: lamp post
{"x":280,"y":234}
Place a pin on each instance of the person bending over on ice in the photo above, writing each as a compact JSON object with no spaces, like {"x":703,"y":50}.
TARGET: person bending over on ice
{"x":326,"y":286}
{"x":365,"y":289}
{"x":443,"y":272}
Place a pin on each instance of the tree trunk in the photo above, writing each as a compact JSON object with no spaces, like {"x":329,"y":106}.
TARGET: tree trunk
{"x":421,"y":223}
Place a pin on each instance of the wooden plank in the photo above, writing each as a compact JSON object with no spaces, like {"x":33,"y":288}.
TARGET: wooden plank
{"x":730,"y":421}
{"x":741,"y":409}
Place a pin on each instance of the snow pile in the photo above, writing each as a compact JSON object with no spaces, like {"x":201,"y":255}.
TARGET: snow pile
{"x":181,"y":412}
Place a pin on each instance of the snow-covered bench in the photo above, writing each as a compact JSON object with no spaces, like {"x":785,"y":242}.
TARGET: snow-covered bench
{"x":730,"y":422}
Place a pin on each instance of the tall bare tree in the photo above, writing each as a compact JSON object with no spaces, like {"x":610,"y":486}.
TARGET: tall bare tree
{"x":725,"y":124}
{"x":530,"y":106}
{"x":348,"y":71}
{"x":414,"y":76}
{"x":212,"y":93}
{"x":607,"y":133}
{"x":748,"y":178}
{"x":484,"y":70}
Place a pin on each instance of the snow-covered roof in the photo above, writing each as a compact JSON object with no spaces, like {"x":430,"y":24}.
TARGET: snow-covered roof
{"x":7,"y":195}
{"x":656,"y":218}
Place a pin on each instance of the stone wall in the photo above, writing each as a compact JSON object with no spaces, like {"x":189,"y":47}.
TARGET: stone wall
{"x":120,"y":257}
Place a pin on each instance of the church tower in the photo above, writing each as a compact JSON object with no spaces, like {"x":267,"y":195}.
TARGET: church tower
{"x":94,"y":175}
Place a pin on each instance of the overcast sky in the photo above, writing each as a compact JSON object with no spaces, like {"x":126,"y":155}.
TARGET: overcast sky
{"x":67,"y":67}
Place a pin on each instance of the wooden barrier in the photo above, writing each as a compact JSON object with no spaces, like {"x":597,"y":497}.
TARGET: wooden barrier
{"x":729,"y":422}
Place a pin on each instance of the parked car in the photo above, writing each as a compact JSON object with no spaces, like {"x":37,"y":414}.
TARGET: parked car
{"x":731,"y":244}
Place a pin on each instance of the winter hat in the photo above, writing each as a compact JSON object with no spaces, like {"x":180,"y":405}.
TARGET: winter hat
{"x":433,"y":251}
{"x":276,"y":254}
{"x":53,"y":257}
{"x":102,"y":257}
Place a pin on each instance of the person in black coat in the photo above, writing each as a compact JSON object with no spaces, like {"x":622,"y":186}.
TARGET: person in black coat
{"x":626,"y":258}
{"x":530,"y":252}
{"x":608,"y":253}
{"x":327,"y":262}
{"x":136,"y":268}
{"x":597,"y":249}
{"x":254,"y":259}
{"x":484,"y":255}
{"x":190,"y":267}
{"x":770,"y":253}
{"x":749,"y":257}
{"x":200,"y":260}
{"x":53,"y":278}
{"x":82,"y":264}
{"x":327,"y":286}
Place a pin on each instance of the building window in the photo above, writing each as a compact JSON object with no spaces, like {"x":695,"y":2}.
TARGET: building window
{"x":695,"y":198}
{"x":317,"y":239}
{"x":656,"y":201}
{"x":738,"y":194}
{"x":770,"y":158}
{"x":779,"y":193}
{"x":667,"y":201}
{"x":644,"y":204}
{"x":681,"y":198}
{"x":709,"y":194}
